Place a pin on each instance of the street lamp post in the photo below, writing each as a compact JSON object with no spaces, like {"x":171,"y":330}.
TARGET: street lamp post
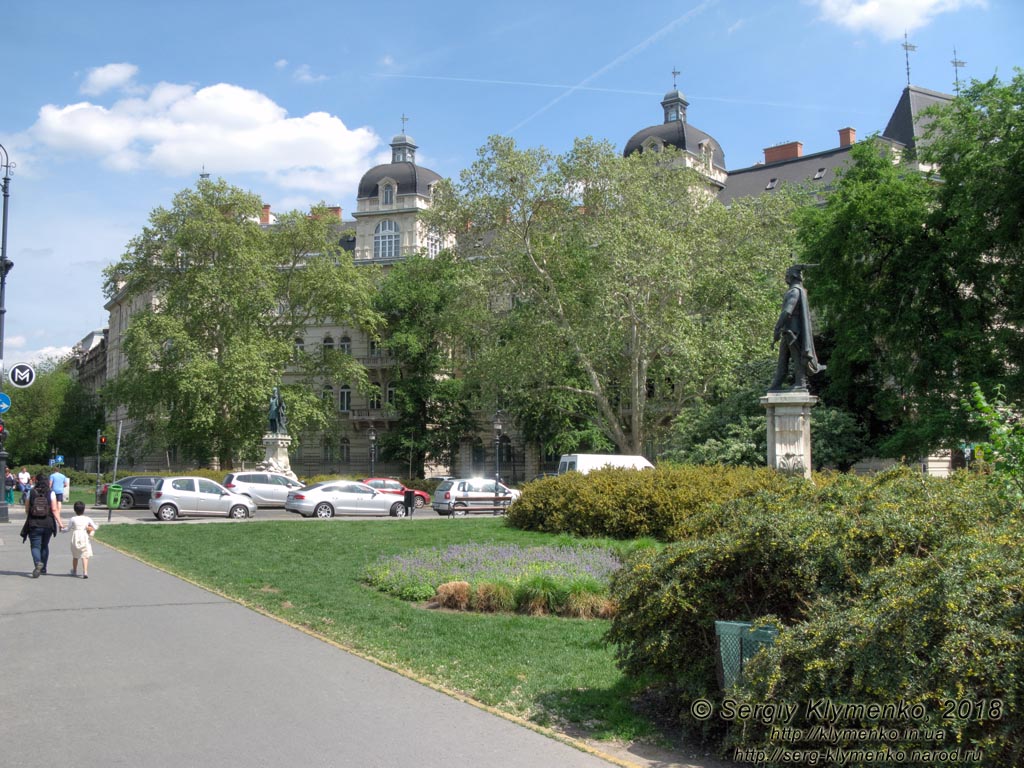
{"x":5,"y":267}
{"x":372,"y":437}
{"x":497,"y":449}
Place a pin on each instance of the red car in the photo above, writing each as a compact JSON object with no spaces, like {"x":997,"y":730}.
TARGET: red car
{"x":390,"y":485}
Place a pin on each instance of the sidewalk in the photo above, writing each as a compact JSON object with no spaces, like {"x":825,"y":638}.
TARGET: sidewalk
{"x":135,"y":667}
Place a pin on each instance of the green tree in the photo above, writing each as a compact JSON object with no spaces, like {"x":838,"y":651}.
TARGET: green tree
{"x":32,"y":421}
{"x":618,"y":284}
{"x":920,"y":285}
{"x":423,"y":301}
{"x":226,"y":298}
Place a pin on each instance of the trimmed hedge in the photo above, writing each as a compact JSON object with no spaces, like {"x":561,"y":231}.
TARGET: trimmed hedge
{"x":626,"y":504}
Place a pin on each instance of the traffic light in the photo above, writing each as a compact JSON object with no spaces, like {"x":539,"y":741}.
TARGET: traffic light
{"x":103,"y":440}
{"x":3,"y":432}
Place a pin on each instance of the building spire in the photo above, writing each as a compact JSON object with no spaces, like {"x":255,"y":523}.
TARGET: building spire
{"x":675,"y":74}
{"x":957,"y":63}
{"x":404,"y":121}
{"x":907,"y":48}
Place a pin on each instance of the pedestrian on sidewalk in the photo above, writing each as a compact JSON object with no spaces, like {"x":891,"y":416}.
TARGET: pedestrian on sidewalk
{"x":82,"y":528}
{"x":42,"y":521}
{"x":61,"y":487}
{"x":24,"y":483}
{"x":10,"y":481}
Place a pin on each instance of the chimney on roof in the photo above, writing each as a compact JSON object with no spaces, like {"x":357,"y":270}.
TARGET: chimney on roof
{"x":847,"y":136}
{"x":265,"y":216}
{"x":335,"y":210}
{"x":788,"y":151}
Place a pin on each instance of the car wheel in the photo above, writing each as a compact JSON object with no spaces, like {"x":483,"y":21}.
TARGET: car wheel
{"x":398,"y":509}
{"x":238,"y":512}
{"x":459,"y":510}
{"x":324,"y":510}
{"x":418,"y":502}
{"x":167,"y":512}
{"x":127,"y":501}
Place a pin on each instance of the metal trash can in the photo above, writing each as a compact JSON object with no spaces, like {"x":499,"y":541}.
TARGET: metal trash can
{"x":114,"y":497}
{"x":410,"y":501}
{"x":738,"y":643}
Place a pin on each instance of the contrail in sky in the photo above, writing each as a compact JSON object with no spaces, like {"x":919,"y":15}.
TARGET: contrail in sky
{"x":528,"y":84}
{"x":618,"y":60}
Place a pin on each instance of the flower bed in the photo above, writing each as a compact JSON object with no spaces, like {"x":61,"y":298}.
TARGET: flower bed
{"x":570,"y":581}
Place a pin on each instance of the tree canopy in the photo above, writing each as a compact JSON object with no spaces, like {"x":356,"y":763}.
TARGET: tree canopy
{"x":222,"y":300}
{"x":618,"y":289}
{"x":920,"y":286}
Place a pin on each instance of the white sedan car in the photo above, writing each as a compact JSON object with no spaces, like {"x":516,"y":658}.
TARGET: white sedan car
{"x":342,"y":497}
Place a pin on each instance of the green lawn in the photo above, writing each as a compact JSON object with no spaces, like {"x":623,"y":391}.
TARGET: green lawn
{"x":550,"y":670}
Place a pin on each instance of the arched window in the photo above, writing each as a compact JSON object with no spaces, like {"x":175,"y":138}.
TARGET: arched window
{"x":328,"y":450}
{"x":344,"y":451}
{"x":345,"y":345}
{"x":385,"y":240}
{"x":328,"y":345}
{"x":388,"y":194}
{"x":374,"y":397}
{"x":300,"y":347}
{"x":391,"y":395}
{"x":345,"y":398}
{"x":327,"y":393}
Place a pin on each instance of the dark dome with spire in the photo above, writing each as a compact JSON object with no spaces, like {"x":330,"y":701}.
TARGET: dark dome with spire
{"x":676,"y":132}
{"x":409,"y":177}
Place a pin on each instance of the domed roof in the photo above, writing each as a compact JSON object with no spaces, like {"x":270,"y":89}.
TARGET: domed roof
{"x":410,"y":178}
{"x":676,"y":132}
{"x":680,"y":135}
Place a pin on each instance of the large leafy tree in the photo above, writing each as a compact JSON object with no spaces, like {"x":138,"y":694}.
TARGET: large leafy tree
{"x":620,"y":290}
{"x":224,"y":300}
{"x":34,"y":415}
{"x":424,"y":302}
{"x":920,"y":283}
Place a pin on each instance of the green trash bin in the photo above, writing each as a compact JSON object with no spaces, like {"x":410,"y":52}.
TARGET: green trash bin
{"x":738,"y":643}
{"x":114,"y":496}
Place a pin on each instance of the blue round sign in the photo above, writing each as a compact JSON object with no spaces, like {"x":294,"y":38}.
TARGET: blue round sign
{"x":5,"y":402}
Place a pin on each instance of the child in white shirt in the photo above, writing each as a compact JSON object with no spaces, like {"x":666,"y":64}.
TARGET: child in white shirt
{"x":82,"y":527}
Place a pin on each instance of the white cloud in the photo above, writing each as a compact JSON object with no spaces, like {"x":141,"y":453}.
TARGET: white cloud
{"x":176,"y":129}
{"x":102,"y":79}
{"x":739,"y":23}
{"x":281,"y":63}
{"x":889,"y":19}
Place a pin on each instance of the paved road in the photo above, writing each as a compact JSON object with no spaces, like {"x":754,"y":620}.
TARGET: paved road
{"x":134,"y":667}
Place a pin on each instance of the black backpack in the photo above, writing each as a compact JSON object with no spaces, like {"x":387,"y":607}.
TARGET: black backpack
{"x":39,"y":505}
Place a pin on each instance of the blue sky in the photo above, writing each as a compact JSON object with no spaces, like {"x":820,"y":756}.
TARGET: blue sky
{"x":110,"y":108}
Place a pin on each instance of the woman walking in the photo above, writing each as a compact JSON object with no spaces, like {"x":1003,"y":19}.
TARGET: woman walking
{"x":42,"y":521}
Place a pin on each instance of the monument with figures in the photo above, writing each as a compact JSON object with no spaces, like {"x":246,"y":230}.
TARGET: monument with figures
{"x":276,"y":440}
{"x":789,"y":410}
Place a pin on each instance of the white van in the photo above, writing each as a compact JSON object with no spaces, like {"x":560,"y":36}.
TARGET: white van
{"x":588,"y":462}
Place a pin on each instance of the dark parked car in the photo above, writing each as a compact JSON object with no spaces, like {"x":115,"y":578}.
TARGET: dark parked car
{"x":135,"y":492}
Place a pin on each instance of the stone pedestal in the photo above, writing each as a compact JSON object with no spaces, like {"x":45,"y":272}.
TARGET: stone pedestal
{"x":276,"y":446}
{"x":789,"y":431}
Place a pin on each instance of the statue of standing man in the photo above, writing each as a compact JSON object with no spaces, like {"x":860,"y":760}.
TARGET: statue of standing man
{"x":277,"y":416}
{"x":795,"y":334}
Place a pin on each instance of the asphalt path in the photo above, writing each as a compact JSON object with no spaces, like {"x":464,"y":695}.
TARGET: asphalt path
{"x":135,"y":667}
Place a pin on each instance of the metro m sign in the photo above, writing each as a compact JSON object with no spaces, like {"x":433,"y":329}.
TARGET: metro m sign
{"x":22,"y":375}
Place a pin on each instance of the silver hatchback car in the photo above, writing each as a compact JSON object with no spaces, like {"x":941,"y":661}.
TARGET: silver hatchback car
{"x":267,"y":489}
{"x":174,"y":497}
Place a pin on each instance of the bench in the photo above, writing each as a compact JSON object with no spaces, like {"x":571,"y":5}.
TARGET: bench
{"x":497,"y":506}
